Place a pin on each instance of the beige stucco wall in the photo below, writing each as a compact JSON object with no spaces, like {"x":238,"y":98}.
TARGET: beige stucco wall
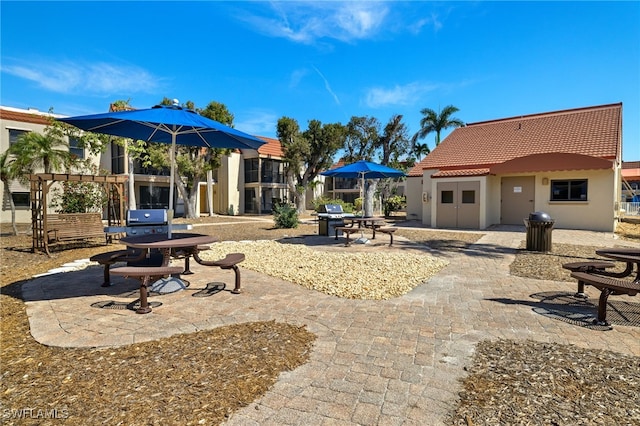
{"x":597,"y":213}
{"x":413,"y":191}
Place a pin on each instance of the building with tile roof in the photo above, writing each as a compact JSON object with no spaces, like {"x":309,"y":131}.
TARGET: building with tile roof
{"x":248,"y":181}
{"x":566,"y":163}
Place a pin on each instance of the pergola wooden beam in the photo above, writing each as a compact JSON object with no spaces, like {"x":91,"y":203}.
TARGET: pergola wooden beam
{"x":42,"y":182}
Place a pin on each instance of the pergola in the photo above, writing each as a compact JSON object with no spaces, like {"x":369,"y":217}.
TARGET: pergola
{"x":41,"y":184}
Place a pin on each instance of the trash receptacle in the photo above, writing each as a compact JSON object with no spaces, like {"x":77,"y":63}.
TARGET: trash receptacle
{"x":539,"y":227}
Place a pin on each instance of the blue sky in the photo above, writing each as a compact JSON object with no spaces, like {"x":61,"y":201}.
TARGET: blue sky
{"x":325,"y":60}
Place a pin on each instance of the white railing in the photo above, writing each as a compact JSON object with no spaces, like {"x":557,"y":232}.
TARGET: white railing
{"x":629,"y":209}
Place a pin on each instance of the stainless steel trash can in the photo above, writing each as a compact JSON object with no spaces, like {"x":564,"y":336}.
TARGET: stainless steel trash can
{"x":539,"y":229}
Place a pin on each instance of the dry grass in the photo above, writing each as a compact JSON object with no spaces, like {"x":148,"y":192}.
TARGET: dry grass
{"x":201,"y":378}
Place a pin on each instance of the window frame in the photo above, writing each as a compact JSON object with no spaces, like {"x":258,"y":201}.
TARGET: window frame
{"x":571,"y":186}
{"x":74,"y":149}
{"x":16,"y":134}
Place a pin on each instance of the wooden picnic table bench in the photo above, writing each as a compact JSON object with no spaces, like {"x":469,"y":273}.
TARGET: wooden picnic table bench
{"x":68,"y":227}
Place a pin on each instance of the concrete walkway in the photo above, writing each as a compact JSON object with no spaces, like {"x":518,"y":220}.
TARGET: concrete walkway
{"x":388,"y":362}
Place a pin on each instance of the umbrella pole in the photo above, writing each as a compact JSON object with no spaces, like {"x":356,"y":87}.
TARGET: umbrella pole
{"x":172,"y":156}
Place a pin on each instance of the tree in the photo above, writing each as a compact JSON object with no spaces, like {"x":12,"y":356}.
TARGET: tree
{"x":395,"y":145}
{"x":420,"y":149}
{"x":365,"y":142}
{"x":7,"y":175}
{"x":363,"y":139}
{"x":48,"y":151}
{"x":308,"y":153}
{"x":437,"y":122}
{"x":193,"y":164}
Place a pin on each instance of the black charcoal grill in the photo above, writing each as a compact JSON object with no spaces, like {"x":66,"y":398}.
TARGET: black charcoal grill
{"x":330,"y":216}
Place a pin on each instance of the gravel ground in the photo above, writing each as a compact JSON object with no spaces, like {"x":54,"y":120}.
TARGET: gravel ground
{"x":292,"y":262}
{"x":508,"y":382}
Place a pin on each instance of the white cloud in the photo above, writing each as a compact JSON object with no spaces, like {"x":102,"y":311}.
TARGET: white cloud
{"x":408,"y":94}
{"x":93,"y":78}
{"x":307,"y":22}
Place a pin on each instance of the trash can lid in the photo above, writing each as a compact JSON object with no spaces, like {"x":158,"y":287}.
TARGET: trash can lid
{"x":540,"y":216}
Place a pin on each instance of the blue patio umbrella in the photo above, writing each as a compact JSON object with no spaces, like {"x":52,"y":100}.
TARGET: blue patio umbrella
{"x":166,"y":124}
{"x":364,"y":170}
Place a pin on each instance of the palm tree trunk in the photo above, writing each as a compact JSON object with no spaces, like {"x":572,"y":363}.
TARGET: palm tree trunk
{"x":7,"y":192}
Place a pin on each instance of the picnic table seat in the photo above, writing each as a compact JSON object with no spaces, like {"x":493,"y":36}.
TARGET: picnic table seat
{"x":607,"y":287}
{"x":389,"y":231}
{"x":590,"y":266}
{"x":109,"y":258}
{"x":347,"y":230}
{"x":146,"y":274}
{"x":230,"y":261}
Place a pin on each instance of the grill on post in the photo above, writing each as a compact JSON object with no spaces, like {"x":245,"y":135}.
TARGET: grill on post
{"x":329,"y":216}
{"x":145,"y":222}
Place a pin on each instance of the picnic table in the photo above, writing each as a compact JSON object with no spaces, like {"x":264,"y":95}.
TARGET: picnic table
{"x":629,"y":255}
{"x":609,"y":282}
{"x":376,"y":224}
{"x":183,"y":242}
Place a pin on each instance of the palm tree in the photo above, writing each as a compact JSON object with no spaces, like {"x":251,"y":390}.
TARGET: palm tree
{"x":420,"y":149}
{"x":436,"y":122}
{"x":34,"y":150}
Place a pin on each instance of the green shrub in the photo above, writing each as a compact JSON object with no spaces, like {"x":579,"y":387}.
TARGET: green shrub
{"x":285,"y":216}
{"x":394,"y":203}
{"x":78,"y":197}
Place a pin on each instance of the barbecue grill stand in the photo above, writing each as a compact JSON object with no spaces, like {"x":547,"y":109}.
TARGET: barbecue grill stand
{"x":147,"y":222}
{"x":330,"y":216}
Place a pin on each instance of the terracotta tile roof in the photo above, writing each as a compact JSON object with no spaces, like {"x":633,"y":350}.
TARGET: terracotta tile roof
{"x":25,"y":117}
{"x":631,"y":170}
{"x":271,"y":147}
{"x":592,"y":131}
{"x":460,"y":173}
{"x":337,"y":164}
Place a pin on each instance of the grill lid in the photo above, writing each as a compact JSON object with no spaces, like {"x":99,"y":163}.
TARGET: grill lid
{"x":330,"y":208}
{"x":146,"y":217}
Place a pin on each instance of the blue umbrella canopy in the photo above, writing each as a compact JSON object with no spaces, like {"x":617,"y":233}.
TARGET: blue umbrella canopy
{"x":364,"y":169}
{"x":166,"y":124}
